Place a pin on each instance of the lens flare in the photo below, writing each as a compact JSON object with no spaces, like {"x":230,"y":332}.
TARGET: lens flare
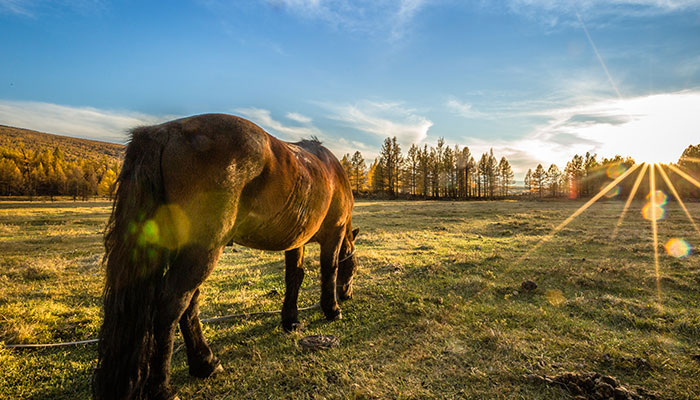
{"x":653,"y":212}
{"x":678,"y":248}
{"x":635,"y":187}
{"x":616,"y":170}
{"x":614,"y":192}
{"x":660,"y":198}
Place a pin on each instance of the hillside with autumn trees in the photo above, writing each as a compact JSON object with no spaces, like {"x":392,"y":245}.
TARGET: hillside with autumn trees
{"x":41,"y":164}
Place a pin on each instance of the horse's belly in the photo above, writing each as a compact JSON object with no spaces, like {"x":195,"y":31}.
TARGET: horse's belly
{"x":279,"y":233}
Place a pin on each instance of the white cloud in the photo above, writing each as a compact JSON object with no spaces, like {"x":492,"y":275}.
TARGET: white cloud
{"x":264,"y":118}
{"x":383,"y":120}
{"x":84,"y":122}
{"x":338,"y":145}
{"x":302,"y":119}
{"x":554,"y":12}
{"x":654,"y":128}
{"x":465,"y":110}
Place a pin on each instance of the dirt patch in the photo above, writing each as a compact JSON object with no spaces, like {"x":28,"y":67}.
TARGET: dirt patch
{"x":593,"y":386}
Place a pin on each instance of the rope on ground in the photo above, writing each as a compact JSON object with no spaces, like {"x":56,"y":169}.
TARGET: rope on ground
{"x":206,"y":320}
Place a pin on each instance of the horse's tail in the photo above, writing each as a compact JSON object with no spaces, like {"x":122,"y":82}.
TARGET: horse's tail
{"x":135,"y":265}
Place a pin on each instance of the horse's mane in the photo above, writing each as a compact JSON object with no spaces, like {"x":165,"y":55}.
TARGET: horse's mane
{"x":313,"y":146}
{"x":311,"y":142}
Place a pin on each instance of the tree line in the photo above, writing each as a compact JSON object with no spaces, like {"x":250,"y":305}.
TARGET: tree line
{"x":427,"y":172}
{"x":442,"y":171}
{"x":48,"y":172}
{"x":434,"y":172}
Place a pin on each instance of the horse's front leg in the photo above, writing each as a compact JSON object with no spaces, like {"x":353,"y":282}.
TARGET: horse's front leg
{"x":329,"y":273}
{"x":293,"y":277}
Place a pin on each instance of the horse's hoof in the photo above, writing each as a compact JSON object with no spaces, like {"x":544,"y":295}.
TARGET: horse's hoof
{"x":334,"y":315}
{"x":290,"y":326}
{"x":344,"y":297}
{"x":219,"y":369}
{"x":206,"y":370}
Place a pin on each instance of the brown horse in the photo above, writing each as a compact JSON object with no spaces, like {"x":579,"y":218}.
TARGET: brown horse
{"x":187,"y":188}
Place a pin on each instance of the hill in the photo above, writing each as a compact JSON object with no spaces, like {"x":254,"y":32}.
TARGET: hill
{"x":36,"y":163}
{"x":74,"y":149}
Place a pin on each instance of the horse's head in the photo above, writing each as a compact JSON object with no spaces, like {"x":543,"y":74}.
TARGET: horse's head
{"x":346,"y":265}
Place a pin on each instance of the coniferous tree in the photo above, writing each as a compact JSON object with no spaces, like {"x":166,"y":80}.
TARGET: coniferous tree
{"x":347,"y":165}
{"x":412,"y":166}
{"x":492,"y":172}
{"x":505,"y":171}
{"x":471,"y":176}
{"x":539,"y":178}
{"x":424,"y":167}
{"x":528,"y":180}
{"x":483,"y":168}
{"x":575,"y":171}
{"x":359,"y":172}
{"x":553,"y":180}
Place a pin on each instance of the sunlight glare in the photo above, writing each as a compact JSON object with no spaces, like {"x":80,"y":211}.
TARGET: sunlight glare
{"x":684,"y":175}
{"x":635,"y":187}
{"x":678,"y":248}
{"x":653,"y":212}
{"x":678,"y":198}
{"x":616,"y":170}
{"x":614,"y":192}
{"x":654,"y":229}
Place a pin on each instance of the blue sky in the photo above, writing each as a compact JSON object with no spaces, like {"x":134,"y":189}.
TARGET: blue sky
{"x":536,"y":80}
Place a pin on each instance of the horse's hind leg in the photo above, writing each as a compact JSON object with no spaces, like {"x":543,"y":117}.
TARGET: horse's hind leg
{"x":200,"y":358}
{"x":187,"y":271}
{"x":293,"y":277}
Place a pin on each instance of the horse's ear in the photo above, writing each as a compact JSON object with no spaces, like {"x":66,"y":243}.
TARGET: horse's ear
{"x":354,"y":233}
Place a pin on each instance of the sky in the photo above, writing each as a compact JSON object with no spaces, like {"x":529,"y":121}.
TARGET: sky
{"x":536,"y":80}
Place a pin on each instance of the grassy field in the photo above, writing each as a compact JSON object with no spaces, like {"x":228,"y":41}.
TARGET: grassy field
{"x":438,"y":310}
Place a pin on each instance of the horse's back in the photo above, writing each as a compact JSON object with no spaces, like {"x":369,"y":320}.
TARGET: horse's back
{"x":234,"y":181}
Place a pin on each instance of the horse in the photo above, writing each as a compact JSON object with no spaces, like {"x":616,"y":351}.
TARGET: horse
{"x":187,"y":188}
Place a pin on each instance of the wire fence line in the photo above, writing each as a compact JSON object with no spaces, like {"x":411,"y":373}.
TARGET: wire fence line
{"x":206,"y":320}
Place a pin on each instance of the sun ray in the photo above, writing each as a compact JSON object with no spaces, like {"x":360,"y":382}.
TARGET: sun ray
{"x":684,"y":175}
{"x":654,"y":229}
{"x":561,"y":226}
{"x":691,"y":159}
{"x":637,"y":182}
{"x":678,"y":198}
{"x":590,"y":202}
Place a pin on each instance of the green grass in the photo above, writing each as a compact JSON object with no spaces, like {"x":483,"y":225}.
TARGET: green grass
{"x":438,"y":310}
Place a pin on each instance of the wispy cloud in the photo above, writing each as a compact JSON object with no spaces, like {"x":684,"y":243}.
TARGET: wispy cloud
{"x":84,"y":122}
{"x":463,"y":109}
{"x":19,"y":7}
{"x":302,"y":119}
{"x":302,"y":129}
{"x":34,"y":8}
{"x":555,"y":12}
{"x":383,"y":119}
{"x":389,"y":17}
{"x":649,"y":128}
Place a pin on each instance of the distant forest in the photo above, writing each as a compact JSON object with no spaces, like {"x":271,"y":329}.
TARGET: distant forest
{"x":39,"y":164}
{"x":444,"y":172}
